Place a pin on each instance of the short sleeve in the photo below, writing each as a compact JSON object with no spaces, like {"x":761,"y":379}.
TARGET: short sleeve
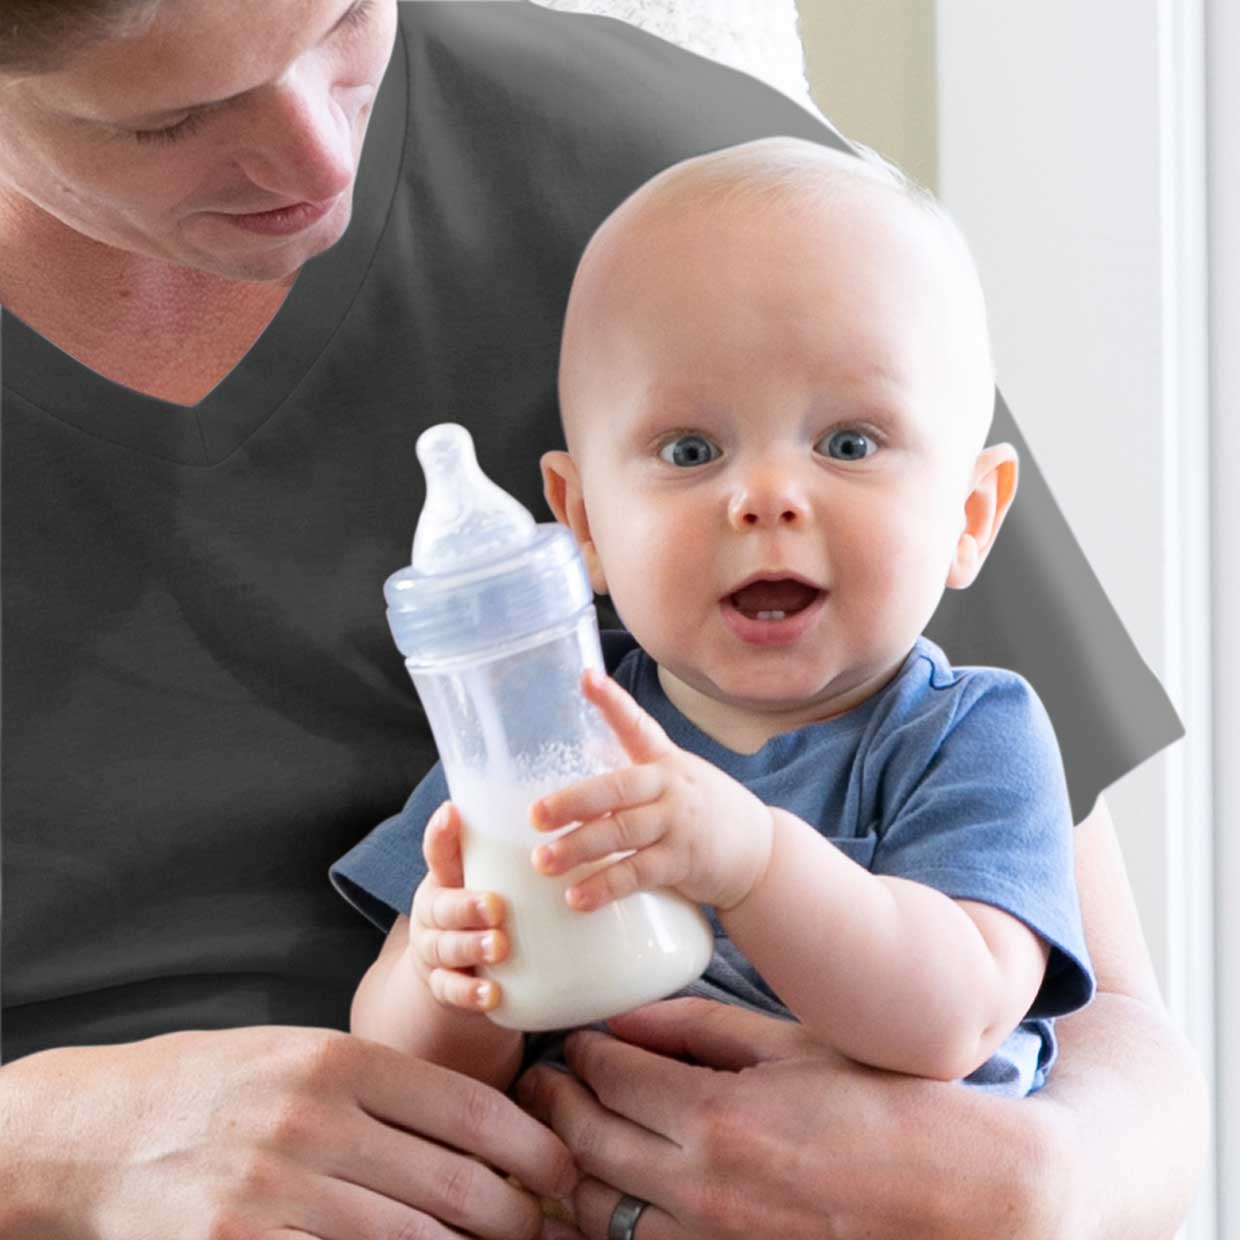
{"x":976,"y":806}
{"x":379,"y":875}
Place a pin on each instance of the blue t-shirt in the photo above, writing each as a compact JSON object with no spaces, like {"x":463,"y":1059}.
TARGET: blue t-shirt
{"x":947,"y":776}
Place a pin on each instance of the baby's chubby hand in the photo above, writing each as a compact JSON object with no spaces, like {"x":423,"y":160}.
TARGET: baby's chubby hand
{"x":692,"y":828}
{"x":450,"y":929}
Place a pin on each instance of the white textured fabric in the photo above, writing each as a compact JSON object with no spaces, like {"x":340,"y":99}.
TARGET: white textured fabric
{"x":759,"y":37}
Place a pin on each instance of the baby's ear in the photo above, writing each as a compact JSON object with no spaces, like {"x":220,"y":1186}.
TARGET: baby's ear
{"x":562,"y":487}
{"x":994,"y":488}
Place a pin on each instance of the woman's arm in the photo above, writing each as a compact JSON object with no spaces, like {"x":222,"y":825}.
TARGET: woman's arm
{"x":1127,"y":1092}
{"x":766,"y":1133}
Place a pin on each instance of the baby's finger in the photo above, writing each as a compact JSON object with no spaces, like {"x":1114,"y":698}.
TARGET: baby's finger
{"x":646,"y":870}
{"x":441,"y":846}
{"x":602,"y":794}
{"x":454,"y":908}
{"x":460,"y":990}
{"x":459,"y":949}
{"x":592,"y":841}
{"x":643,"y":739}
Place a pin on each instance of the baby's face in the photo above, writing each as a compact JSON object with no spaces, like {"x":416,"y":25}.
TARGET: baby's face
{"x":776,"y":424}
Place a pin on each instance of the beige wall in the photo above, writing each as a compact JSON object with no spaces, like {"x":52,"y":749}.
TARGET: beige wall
{"x":871,"y":69}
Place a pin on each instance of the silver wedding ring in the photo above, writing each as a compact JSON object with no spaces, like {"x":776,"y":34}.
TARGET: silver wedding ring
{"x":623,"y":1225}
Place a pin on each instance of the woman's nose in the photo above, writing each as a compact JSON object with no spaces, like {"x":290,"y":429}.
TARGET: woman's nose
{"x":770,"y":499}
{"x":300,"y":140}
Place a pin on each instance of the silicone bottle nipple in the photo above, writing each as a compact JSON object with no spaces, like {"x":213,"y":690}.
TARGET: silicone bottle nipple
{"x":466,"y":519}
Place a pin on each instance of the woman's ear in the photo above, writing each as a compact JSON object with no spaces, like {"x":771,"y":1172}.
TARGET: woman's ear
{"x":994,"y":488}
{"x":562,"y":487}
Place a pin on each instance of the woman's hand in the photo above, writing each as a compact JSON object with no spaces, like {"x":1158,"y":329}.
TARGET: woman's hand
{"x":266,"y":1133}
{"x":765,"y":1133}
{"x":682,"y":823}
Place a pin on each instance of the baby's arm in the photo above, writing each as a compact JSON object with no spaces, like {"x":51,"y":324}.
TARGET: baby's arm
{"x":415,"y":996}
{"x":889,"y":972}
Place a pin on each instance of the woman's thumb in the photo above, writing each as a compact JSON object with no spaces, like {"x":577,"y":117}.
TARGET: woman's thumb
{"x":715,"y":1035}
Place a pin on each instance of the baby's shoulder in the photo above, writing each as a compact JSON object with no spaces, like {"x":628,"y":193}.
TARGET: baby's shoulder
{"x":932,"y":695}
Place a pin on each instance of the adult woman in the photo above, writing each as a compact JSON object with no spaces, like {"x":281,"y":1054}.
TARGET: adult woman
{"x":221,"y":308}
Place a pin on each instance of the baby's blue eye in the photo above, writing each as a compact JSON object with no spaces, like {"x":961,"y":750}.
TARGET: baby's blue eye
{"x":686,"y":451}
{"x":847,"y":445}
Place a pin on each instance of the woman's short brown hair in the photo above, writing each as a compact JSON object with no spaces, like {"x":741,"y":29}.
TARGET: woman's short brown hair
{"x":39,"y":36}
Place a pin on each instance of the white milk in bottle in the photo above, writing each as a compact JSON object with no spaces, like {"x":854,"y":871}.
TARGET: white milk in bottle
{"x":496,"y":620}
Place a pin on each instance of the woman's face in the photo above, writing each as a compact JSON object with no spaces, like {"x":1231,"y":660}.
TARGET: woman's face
{"x":162,"y":144}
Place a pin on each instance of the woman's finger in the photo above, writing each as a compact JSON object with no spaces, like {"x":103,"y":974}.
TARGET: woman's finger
{"x":640,"y":735}
{"x":608,"y":793}
{"x":663,"y":1095}
{"x":716,"y":1035}
{"x":601,"y":837}
{"x":595,"y":1202}
{"x":422,"y":1179}
{"x":605,"y":1145}
{"x":415,"y":1104}
{"x":340,"y":1210}
{"x":453,"y":908}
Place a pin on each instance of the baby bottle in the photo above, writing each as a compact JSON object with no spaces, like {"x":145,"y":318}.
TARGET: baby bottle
{"x":495,"y":617}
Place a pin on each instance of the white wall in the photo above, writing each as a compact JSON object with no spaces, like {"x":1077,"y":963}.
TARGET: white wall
{"x":1070,"y":150}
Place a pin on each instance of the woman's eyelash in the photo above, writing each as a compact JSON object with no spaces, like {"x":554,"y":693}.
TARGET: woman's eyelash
{"x":352,"y":20}
{"x":174,"y":133}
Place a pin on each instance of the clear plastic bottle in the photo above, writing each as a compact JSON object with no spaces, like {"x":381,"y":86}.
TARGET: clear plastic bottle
{"x":495,"y":618}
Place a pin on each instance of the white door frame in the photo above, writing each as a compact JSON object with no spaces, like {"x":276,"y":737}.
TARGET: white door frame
{"x":1223,"y":106}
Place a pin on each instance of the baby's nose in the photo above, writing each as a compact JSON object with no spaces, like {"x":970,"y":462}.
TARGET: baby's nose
{"x":768,"y":503}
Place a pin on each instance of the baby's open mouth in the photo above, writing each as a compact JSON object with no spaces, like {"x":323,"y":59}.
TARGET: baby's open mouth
{"x":773,"y":600}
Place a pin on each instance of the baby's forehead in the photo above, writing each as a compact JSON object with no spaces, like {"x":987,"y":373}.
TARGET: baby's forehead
{"x":800,"y":187}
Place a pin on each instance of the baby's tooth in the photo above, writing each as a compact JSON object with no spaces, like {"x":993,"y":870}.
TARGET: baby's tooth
{"x":770,"y":615}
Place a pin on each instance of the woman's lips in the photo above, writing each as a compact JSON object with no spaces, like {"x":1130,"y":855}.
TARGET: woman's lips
{"x":285,"y":220}
{"x":771,"y":626}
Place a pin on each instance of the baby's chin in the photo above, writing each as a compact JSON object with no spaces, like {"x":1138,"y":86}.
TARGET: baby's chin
{"x":785,"y":700}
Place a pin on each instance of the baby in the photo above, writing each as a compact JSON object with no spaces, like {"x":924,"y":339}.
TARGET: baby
{"x":776,"y":386}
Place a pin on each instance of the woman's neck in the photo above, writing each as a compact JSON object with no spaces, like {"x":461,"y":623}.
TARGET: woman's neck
{"x":163,"y":329}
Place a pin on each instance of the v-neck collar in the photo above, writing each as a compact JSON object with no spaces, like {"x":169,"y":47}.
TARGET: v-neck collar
{"x":45,"y":376}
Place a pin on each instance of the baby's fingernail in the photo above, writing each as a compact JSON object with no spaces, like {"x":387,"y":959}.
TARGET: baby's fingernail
{"x":486,"y":994}
{"x":544,"y":857}
{"x":486,"y":909}
{"x":490,"y":947}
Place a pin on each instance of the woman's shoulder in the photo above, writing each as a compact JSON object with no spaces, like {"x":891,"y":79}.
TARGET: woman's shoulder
{"x":584,"y":90}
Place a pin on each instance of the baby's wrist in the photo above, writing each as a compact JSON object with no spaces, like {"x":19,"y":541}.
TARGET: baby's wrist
{"x":762,"y":839}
